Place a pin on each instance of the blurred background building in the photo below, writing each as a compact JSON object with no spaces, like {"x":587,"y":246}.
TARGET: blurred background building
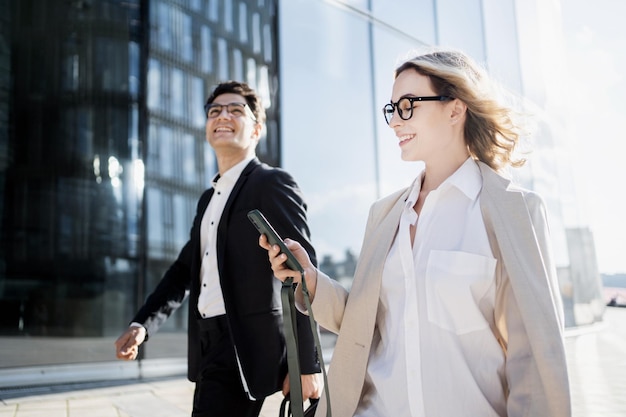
{"x":102,"y":151}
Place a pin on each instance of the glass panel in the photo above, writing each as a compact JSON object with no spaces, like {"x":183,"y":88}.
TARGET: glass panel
{"x":166,"y":152}
{"x":164,"y":28}
{"x":268,"y":43}
{"x":186,"y":40}
{"x":228,"y":21}
{"x":206,"y":50}
{"x":177,"y":93}
{"x":70,"y":73}
{"x":213,"y":10}
{"x":237,"y":66}
{"x":154,"y":85}
{"x":251,"y":73}
{"x":181,"y":221}
{"x":133,"y":69}
{"x":340,"y":78}
{"x":196,"y":101}
{"x":222,"y":56}
{"x":256,"y":33}
{"x":243,"y":22}
{"x":155,"y":231}
{"x":188,"y":155}
{"x":195,"y":5}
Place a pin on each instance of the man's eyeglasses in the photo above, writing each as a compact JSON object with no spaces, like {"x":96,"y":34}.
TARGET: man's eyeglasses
{"x":405,"y":106}
{"x":213,"y":110}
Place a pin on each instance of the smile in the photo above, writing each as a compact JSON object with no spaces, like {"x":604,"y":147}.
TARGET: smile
{"x":405,"y":138}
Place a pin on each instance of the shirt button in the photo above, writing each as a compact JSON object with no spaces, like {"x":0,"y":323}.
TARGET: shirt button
{"x":204,"y":285}
{"x":212,"y":223}
{"x":206,"y":254}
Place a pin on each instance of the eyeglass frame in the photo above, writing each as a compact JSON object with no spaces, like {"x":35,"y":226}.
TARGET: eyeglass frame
{"x":208,"y":107}
{"x":395,"y":107}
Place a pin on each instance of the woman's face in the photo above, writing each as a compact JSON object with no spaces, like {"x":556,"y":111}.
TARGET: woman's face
{"x":428,"y":134}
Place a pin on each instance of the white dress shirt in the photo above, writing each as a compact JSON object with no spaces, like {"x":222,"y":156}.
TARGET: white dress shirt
{"x":433,"y":352}
{"x":211,"y":299}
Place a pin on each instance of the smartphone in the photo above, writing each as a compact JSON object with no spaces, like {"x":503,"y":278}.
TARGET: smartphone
{"x":264,"y":227}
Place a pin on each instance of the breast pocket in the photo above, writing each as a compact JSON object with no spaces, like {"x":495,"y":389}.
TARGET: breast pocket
{"x":456,"y":283}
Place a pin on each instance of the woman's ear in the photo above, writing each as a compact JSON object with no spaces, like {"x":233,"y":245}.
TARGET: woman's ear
{"x":459,"y":109}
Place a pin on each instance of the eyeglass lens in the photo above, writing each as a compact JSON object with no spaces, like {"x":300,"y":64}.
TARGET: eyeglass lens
{"x":404,"y":107}
{"x":235,"y":109}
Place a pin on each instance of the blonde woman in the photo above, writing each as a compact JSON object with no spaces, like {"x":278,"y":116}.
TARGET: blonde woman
{"x":454,"y":309}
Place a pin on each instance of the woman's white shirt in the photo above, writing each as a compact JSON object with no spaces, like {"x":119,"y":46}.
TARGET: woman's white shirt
{"x":434,"y":353}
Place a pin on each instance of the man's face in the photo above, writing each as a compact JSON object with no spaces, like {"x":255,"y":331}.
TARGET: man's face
{"x":232,"y":129}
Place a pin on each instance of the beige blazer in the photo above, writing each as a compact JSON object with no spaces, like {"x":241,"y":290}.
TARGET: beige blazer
{"x":528,"y":302}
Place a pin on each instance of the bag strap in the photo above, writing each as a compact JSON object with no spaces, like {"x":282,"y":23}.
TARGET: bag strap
{"x":291,"y":339}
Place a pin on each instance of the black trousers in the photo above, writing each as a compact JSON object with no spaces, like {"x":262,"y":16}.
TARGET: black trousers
{"x":219,"y":391}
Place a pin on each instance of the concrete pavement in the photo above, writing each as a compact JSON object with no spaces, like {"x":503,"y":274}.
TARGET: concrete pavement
{"x":596,"y":359}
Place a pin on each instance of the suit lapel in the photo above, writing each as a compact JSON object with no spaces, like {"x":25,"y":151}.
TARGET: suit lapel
{"x":380,"y":234}
{"x":222,"y":228}
{"x":359,"y":323}
{"x":231,"y":198}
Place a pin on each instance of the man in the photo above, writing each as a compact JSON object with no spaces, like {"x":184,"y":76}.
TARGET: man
{"x":236,"y":349}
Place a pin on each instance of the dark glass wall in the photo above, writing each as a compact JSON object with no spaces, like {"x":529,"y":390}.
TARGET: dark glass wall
{"x":71,"y":205}
{"x":103,"y":157}
{"x":5,"y":94}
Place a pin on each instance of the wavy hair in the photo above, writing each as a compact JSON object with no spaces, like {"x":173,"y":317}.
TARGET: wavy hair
{"x":491,"y":131}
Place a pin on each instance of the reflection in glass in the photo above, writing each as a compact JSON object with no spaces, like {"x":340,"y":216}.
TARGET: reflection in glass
{"x":112,"y":114}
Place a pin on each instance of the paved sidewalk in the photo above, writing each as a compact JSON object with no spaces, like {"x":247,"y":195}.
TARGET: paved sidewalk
{"x":596,"y":360}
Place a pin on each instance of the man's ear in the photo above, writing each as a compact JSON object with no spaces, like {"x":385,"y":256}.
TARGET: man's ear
{"x":258,"y":131}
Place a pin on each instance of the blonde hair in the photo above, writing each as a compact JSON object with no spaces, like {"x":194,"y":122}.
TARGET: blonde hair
{"x":491,"y":133}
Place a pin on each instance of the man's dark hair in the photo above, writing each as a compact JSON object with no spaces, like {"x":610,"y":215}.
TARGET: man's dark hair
{"x":243,"y":89}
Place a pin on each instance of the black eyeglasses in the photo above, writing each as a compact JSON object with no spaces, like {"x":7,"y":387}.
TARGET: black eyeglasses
{"x":405,"y":106}
{"x":213,"y":110}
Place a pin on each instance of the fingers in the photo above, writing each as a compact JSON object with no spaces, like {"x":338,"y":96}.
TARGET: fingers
{"x":129,"y":353}
{"x":126,"y":350}
{"x":311,"y":386}
{"x":263,"y":242}
{"x":277,"y":259}
{"x":127,"y":345}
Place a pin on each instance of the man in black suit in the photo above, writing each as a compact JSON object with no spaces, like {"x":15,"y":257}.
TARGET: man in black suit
{"x":236,"y":346}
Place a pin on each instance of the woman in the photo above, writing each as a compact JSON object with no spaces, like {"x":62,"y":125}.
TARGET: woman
{"x":455,"y":308}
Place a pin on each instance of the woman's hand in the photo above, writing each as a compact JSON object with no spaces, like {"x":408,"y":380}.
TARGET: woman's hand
{"x":277,"y":260}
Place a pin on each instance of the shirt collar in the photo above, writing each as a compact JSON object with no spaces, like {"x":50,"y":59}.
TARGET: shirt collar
{"x":467,"y":179}
{"x":232,"y":174}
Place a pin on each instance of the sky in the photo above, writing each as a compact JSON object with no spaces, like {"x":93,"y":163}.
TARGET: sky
{"x":595,"y":42}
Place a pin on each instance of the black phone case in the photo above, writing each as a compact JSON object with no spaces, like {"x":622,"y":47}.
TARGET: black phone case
{"x":264,"y":227}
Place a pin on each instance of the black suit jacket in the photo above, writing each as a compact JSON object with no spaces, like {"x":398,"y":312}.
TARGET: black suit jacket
{"x":251,"y":293}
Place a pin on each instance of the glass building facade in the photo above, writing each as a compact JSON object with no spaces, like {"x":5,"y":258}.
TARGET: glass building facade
{"x":102,"y":151}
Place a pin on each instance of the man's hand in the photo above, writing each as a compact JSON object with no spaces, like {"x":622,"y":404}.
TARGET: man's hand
{"x":127,"y":345}
{"x":311,"y":386}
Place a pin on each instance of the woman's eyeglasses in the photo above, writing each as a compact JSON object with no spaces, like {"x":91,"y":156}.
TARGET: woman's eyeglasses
{"x":405,"y":106}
